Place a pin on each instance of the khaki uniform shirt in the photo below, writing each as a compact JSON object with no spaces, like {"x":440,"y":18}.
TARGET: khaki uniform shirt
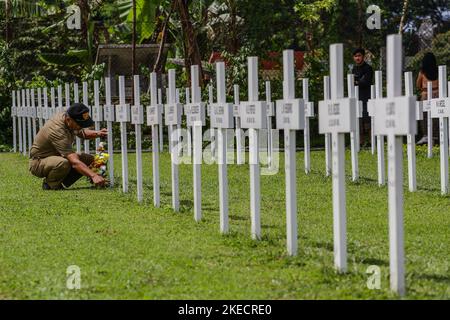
{"x":53,"y":139}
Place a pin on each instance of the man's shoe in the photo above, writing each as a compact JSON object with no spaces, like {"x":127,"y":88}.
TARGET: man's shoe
{"x":45,"y":186}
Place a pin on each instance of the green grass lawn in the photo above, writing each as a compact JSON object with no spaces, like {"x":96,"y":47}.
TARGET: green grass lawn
{"x":128,"y":250}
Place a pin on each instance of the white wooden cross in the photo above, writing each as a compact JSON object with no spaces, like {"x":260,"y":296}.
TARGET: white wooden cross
{"x":253,"y":117}
{"x":23,"y":113}
{"x":427,"y":108}
{"x":309,"y":113}
{"x":86,"y":103}
{"x":290,"y":116}
{"x":338,"y":116}
{"x":161,"y":133}
{"x":189,"y":129}
{"x":33,"y":112}
{"x":327,"y":96}
{"x":40,"y":109}
{"x":240,"y":156}
{"x":45,"y":108}
{"x":222,"y":119}
{"x":137,"y":118}
{"x":123,"y":116}
{"x":28,"y":117}
{"x":195,"y":119}
{"x":52,"y":108}
{"x":440,"y":108}
{"x":172,"y":117}
{"x":109,"y":117}
{"x":411,"y":139}
{"x":76,"y":99}
{"x":371,"y":105}
{"x":351,"y":90}
{"x":97,"y":114}
{"x":14,"y":120}
{"x":211,"y":129}
{"x":20,"y":122}
{"x":395,"y":116}
{"x":59,"y":107}
{"x":269,"y":113}
{"x":67,"y":93}
{"x":154,"y":120}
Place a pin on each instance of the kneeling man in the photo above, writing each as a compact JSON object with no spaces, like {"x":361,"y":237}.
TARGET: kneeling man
{"x":52,"y":156}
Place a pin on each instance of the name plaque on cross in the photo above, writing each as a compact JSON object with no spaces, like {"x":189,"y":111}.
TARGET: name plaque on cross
{"x":108,"y":113}
{"x":440,"y":108}
{"x":173,"y":114}
{"x":195,"y":112}
{"x":97,"y":113}
{"x":123,"y":113}
{"x":309,"y":109}
{"x":154,"y":114}
{"x":137,"y":115}
{"x":291,"y":114}
{"x":337,"y":116}
{"x":222,"y":115}
{"x":395,"y":116}
{"x":253,"y":114}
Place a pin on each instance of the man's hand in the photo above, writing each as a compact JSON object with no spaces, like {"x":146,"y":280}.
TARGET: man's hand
{"x":103,"y":133}
{"x":98,"y":180}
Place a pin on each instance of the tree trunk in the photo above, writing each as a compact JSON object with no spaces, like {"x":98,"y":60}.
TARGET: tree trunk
{"x":7,"y":16}
{"x":192,"y":54}
{"x":402,"y":20}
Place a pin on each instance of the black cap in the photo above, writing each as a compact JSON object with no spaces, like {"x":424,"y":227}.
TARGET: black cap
{"x":80,"y":114}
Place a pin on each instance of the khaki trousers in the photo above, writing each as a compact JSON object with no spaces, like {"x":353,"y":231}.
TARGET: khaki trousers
{"x":56,"y":168}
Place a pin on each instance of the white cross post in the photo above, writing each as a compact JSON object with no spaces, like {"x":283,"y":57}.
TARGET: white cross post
{"x":137,"y":118}
{"x":395,"y":116}
{"x":46,"y":109}
{"x":327,"y":96}
{"x":67,"y":96}
{"x":189,"y":129}
{"x":290,"y":116}
{"x":109,"y":117}
{"x":411,"y":139}
{"x":353,"y":140}
{"x":123,"y":116}
{"x":97,"y":114}
{"x":40,"y":109}
{"x":211,"y":129}
{"x":76,"y":99}
{"x":30,"y":131}
{"x":19,"y":121}
{"x":172,"y":112}
{"x":253,"y":117}
{"x":240,"y":156}
{"x":338,"y":117}
{"x":195,"y":119}
{"x":373,"y":139}
{"x":440,"y":108}
{"x":52,"y":109}
{"x":14,"y":120}
{"x":270,"y":114}
{"x":161,"y":133}
{"x":429,"y":120}
{"x":154,"y":119}
{"x":371,"y":105}
{"x":59,"y":108}
{"x":24,"y":123}
{"x":86,"y":103}
{"x":359,"y":115}
{"x":222,"y":119}
{"x":33,"y":113}
{"x":309,"y":113}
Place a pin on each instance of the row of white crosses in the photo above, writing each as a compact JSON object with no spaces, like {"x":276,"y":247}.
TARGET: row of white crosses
{"x":394,"y":117}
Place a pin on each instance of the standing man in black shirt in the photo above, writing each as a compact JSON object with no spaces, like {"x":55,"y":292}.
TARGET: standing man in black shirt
{"x":363,"y":79}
